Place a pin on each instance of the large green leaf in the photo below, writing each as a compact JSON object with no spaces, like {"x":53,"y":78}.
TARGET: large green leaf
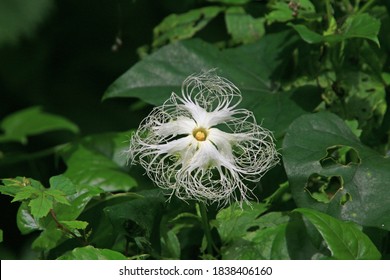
{"x":344,"y":239}
{"x":100,"y":161}
{"x":243,"y":27}
{"x":92,"y":253}
{"x":331,"y":171}
{"x":251,"y":67}
{"x":127,"y":218}
{"x":32,"y":121}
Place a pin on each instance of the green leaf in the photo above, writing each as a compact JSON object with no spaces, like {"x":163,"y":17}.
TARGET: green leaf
{"x":32,"y":121}
{"x":280,"y":11}
{"x":63,"y":184}
{"x":361,"y":26}
{"x":243,"y":27}
{"x":178,"y":27}
{"x":20,"y":18}
{"x":171,"y":245}
{"x":128,"y":220}
{"x":75,"y":224}
{"x":233,"y":222}
{"x":356,"y":26}
{"x":86,"y":167}
{"x":306,"y":34}
{"x":283,"y":12}
{"x":1,"y":235}
{"x":344,"y":239}
{"x":26,"y":193}
{"x":91,"y":253}
{"x":274,"y":235}
{"x":25,"y":221}
{"x":356,"y":186}
{"x":70,"y":202}
{"x":250,"y":67}
{"x":49,"y":238}
{"x":40,"y":206}
{"x":269,"y":244}
{"x":58,"y":196}
{"x":13,"y":186}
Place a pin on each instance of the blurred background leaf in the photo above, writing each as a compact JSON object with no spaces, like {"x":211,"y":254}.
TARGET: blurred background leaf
{"x":20,"y":18}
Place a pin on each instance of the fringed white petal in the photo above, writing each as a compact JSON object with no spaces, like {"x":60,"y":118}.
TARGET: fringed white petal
{"x":216,"y":167}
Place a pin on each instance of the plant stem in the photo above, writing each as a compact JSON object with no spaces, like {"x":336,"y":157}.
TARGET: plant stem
{"x":206,"y":227}
{"x":328,"y":12}
{"x":366,"y":6}
{"x":64,"y":229}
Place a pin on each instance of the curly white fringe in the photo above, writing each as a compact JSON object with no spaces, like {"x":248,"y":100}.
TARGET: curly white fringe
{"x":199,"y":146}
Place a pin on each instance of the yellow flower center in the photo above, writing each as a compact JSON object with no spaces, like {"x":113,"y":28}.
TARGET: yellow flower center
{"x":200,"y":134}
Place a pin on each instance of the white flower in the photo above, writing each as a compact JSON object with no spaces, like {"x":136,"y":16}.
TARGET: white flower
{"x":200,"y":146}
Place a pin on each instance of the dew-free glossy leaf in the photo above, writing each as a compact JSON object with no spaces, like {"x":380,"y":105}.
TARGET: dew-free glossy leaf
{"x":344,"y":239}
{"x":362,"y":197}
{"x":32,"y":121}
{"x":92,"y":253}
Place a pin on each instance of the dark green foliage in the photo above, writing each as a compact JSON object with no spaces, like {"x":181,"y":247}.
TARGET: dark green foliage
{"x":315,"y":73}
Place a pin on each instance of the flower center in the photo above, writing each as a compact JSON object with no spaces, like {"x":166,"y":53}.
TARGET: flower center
{"x":200,"y":134}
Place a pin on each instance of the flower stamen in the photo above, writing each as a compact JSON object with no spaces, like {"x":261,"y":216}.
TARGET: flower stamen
{"x":200,"y":134}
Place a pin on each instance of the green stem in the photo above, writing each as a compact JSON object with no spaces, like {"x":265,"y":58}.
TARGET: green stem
{"x":65,"y":230}
{"x":328,"y":12}
{"x":366,"y":6}
{"x":206,"y":227}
